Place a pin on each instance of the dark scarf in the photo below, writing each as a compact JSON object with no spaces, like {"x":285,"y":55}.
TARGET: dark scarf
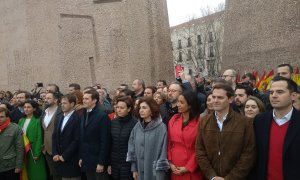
{"x":4,"y":125}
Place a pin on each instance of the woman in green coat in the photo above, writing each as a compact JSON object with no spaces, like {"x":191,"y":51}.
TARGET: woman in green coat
{"x":31,"y":126}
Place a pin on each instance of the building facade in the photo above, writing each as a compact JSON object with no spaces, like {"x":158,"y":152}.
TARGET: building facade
{"x":197,"y":45}
{"x":87,"y":41}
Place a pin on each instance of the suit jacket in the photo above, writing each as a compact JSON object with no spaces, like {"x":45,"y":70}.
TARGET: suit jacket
{"x":49,"y":130}
{"x":291,"y":147}
{"x":66,"y":144}
{"x":15,"y":115}
{"x":95,"y":139}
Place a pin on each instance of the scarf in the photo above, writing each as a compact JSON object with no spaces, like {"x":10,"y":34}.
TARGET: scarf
{"x":4,"y":125}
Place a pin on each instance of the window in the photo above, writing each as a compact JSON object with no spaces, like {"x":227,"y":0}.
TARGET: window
{"x":199,"y":39}
{"x":200,"y":56}
{"x":189,"y":42}
{"x":180,"y":57}
{"x":211,"y":39}
{"x":211,"y":51}
{"x":179,"y":44}
{"x":189,"y":57}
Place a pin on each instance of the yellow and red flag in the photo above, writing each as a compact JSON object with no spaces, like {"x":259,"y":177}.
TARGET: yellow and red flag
{"x":27,"y":148}
{"x":262,"y":77}
{"x":265,"y":83}
{"x":296,"y":76}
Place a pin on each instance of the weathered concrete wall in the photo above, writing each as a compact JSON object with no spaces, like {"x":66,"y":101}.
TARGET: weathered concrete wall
{"x":64,"y":41}
{"x":260,"y":34}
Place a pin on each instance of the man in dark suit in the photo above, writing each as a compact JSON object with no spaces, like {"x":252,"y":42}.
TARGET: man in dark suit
{"x":278,"y":134}
{"x":65,"y":140}
{"x":18,"y":112}
{"x":95,"y":140}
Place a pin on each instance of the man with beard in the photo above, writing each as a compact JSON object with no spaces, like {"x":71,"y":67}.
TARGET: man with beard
{"x":49,"y":119}
{"x":18,"y":112}
{"x":241,"y":95}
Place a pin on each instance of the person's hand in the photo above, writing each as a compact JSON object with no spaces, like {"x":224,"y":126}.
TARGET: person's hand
{"x":174,"y":169}
{"x":56,"y":158}
{"x":80,"y":162}
{"x":181,"y":170}
{"x":17,"y":170}
{"x":181,"y":75}
{"x":99,"y":168}
{"x":109,"y":170}
{"x":35,"y":158}
{"x":135,"y":175}
{"x":61,"y":159}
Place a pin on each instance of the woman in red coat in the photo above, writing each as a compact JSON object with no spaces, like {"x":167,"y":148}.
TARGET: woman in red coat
{"x":182,"y":131}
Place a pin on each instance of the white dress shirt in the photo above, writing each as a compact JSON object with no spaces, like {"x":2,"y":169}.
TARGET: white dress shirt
{"x":66,"y":119}
{"x":220,"y":123}
{"x":48,"y":116}
{"x":285,"y":119}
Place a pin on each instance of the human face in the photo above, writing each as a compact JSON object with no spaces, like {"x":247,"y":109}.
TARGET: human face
{"x":3,"y":106}
{"x":182,"y":105}
{"x":21,"y":98}
{"x":221,"y":102}
{"x":251,"y":108}
{"x":28,"y":109}
{"x":2,"y":117}
{"x":165,"y":91}
{"x":43,"y":96}
{"x":122,"y":109}
{"x":284,"y":72}
{"x":71,"y":90}
{"x":148,"y":92}
{"x":173,"y":93}
{"x":158,"y":99}
{"x":13,"y":101}
{"x":88,"y":102}
{"x":50,"y":89}
{"x":145,"y":111}
{"x":240,"y":97}
{"x":50,"y":101}
{"x":66,"y":106}
{"x":136,"y":86}
{"x":296,"y":103}
{"x":228,"y":76}
{"x":280,"y":97}
{"x":209,"y":102}
{"x":159,"y":85}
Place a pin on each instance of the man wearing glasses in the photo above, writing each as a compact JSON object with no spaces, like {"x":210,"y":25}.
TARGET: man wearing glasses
{"x":230,"y":76}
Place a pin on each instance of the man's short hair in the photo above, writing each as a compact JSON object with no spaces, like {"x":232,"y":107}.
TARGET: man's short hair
{"x":55,"y":87}
{"x":2,"y":109}
{"x":55,"y":95}
{"x":27,"y":94}
{"x":125,"y":85}
{"x":94,"y":94}
{"x":75,"y":86}
{"x":226,"y":87}
{"x":163,"y":81}
{"x":292,"y":86}
{"x":71,"y":98}
{"x":141,"y":82}
{"x":250,"y":76}
{"x":248,"y":90}
{"x":286,"y":65}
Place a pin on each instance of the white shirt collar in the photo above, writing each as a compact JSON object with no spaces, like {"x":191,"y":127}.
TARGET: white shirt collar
{"x":285,"y":119}
{"x":220,"y":123}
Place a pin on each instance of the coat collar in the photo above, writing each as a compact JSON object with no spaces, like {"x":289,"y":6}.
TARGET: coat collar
{"x":152,"y":125}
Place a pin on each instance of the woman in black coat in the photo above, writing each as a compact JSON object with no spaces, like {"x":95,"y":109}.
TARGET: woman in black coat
{"x":120,"y":132}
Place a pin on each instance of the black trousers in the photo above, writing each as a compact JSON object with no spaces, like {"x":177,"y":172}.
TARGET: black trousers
{"x":97,"y":176}
{"x":9,"y":175}
{"x":52,"y":175}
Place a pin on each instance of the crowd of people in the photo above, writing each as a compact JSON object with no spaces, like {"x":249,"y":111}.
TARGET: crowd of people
{"x":190,"y":129}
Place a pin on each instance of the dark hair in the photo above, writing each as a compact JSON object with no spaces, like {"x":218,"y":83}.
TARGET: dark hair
{"x":75,"y":86}
{"x":163,"y":81}
{"x":248,"y":90}
{"x":37,"y":113}
{"x":153,"y":88}
{"x":288,"y":65}
{"x":94,"y":94}
{"x":127,"y":100}
{"x":55,"y":95}
{"x":8,"y":106}
{"x":55,"y":87}
{"x":192,"y":101}
{"x":88,"y":87}
{"x":250,"y":76}
{"x":10,"y":94}
{"x":154,"y":107}
{"x":27,"y":94}
{"x":71,"y":98}
{"x":126,"y":86}
{"x":127,"y":92}
{"x":2,"y":109}
{"x":226,"y":87}
{"x":291,"y":85}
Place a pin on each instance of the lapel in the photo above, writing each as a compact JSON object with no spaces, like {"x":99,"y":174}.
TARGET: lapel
{"x":31,"y":124}
{"x":90,"y":118}
{"x":266,"y":126}
{"x":53,"y":118}
{"x":68,"y":123}
{"x":292,"y":130}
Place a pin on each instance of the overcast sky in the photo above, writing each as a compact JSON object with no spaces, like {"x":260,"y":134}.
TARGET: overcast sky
{"x":181,"y":10}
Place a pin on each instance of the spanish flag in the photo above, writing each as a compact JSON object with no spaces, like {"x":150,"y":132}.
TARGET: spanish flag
{"x":265,"y":83}
{"x":296,"y":77}
{"x":27,"y":148}
{"x":262,"y":77}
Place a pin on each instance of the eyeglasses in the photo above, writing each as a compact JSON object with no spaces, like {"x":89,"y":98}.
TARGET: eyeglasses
{"x":173,"y":90}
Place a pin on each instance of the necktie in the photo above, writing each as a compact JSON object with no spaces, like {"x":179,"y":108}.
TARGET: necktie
{"x":86,"y":118}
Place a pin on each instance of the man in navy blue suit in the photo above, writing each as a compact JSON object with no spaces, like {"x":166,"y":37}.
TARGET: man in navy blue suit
{"x":278,"y":134}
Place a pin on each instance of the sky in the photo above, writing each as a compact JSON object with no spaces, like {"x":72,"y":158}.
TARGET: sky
{"x":181,"y":11}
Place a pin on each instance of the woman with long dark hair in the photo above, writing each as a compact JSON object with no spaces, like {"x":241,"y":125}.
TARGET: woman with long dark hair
{"x":31,"y":126}
{"x":182,"y":132}
{"x":121,"y":128}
